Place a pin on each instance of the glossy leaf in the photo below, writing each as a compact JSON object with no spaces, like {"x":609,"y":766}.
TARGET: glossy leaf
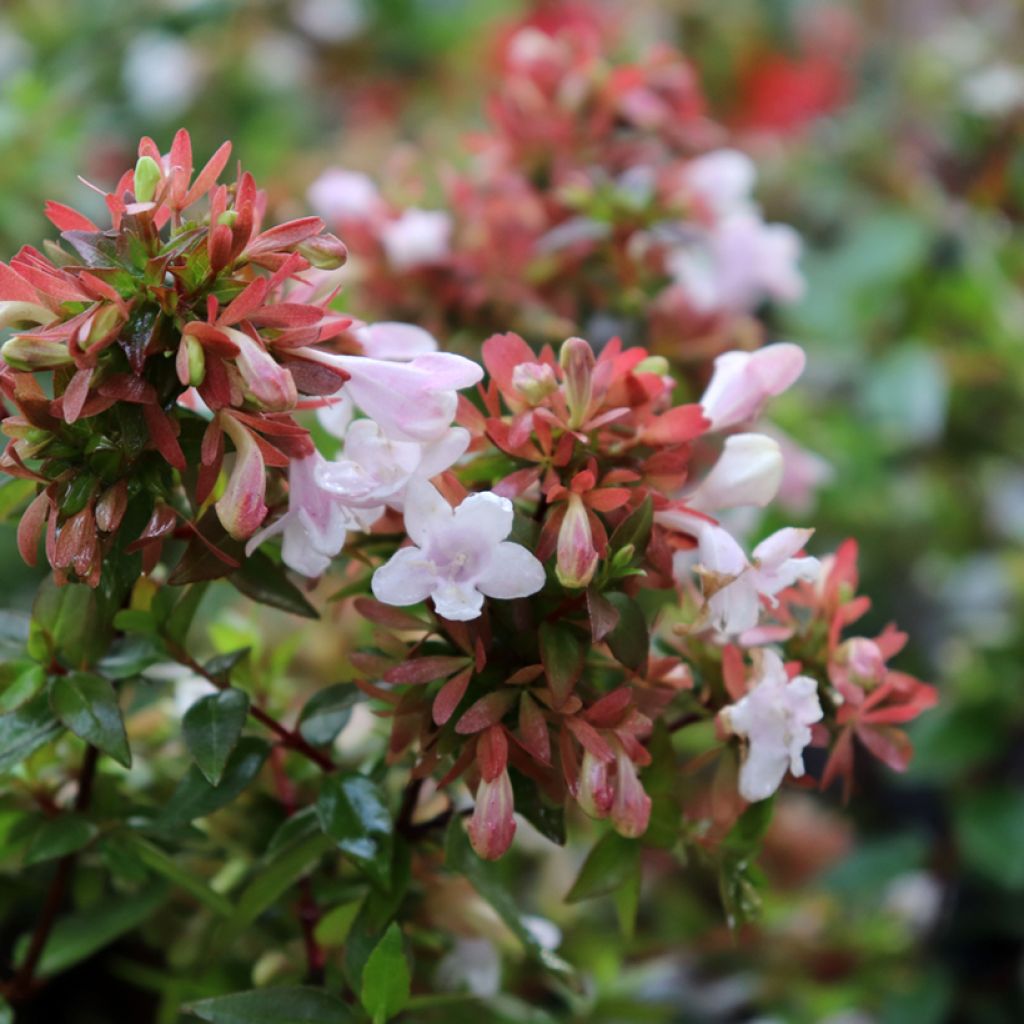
{"x":87,"y":705}
{"x":386,"y":978}
{"x":212,"y":727}
{"x":353,"y":814}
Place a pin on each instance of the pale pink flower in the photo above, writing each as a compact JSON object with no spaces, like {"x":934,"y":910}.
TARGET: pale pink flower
{"x":493,"y":825}
{"x":631,"y":808}
{"x":459,"y":555}
{"x":316,"y":523}
{"x":721,"y":181}
{"x":417,"y":238}
{"x":345,"y":195}
{"x":389,"y":339}
{"x":748,"y":472}
{"x":241,"y":508}
{"x":577,"y":557}
{"x":373,"y":470}
{"x":743,"y":382}
{"x":264,"y":380}
{"x":775,"y":719}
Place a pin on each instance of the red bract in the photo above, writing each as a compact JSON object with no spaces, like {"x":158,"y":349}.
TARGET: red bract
{"x":124,"y":320}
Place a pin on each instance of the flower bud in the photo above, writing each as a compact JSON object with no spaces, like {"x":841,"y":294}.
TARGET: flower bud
{"x":267,"y":383}
{"x":493,"y":825}
{"x":595,"y":794}
{"x":111,"y":507}
{"x":631,"y":808}
{"x":24,"y":314}
{"x":577,"y":362}
{"x":577,"y":556}
{"x":534,"y":381}
{"x":241,"y":508}
{"x":147,"y":178}
{"x":863,"y":659}
{"x":190,"y":362}
{"x":105,"y":321}
{"x":748,"y":472}
{"x":653,"y":364}
{"x":325,"y":252}
{"x":30,"y":354}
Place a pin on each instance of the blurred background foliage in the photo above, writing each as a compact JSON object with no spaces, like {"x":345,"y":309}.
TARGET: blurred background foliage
{"x":889,"y":134}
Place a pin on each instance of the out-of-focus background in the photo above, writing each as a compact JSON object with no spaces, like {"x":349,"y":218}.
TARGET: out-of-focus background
{"x":889,"y":133}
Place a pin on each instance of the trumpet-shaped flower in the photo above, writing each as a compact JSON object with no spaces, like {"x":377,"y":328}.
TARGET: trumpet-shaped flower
{"x":775,"y":719}
{"x":748,"y":472}
{"x":315,"y":525}
{"x":459,"y":555}
{"x":743,"y":382}
{"x":417,"y":238}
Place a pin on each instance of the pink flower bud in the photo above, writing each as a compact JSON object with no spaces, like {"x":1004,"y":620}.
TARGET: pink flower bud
{"x":325,"y":252}
{"x":534,"y":381}
{"x":864,"y":660}
{"x":577,"y":556}
{"x":595,"y":795}
{"x":631,"y":809}
{"x":267,"y":383}
{"x":24,"y":314}
{"x":492,"y":825}
{"x":191,"y":361}
{"x":241,"y":508}
{"x":577,"y":362}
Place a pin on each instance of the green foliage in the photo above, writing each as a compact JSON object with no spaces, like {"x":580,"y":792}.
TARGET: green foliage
{"x":285,"y":1005}
{"x":385,"y":989}
{"x":87,"y":705}
{"x":353,"y":814}
{"x":212,"y":728}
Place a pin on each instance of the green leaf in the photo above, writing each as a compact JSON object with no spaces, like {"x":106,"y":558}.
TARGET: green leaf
{"x":70,"y":623}
{"x":78,"y":936}
{"x":212,"y":728}
{"x":87,"y":705}
{"x":57,"y":837}
{"x":746,"y":835}
{"x":611,"y":864}
{"x":196,"y":798}
{"x":327,"y":712}
{"x":630,"y":640}
{"x":285,"y":1005}
{"x":990,"y":831}
{"x":24,"y":731}
{"x":353,"y":814}
{"x":264,"y":581}
{"x":180,"y":619}
{"x":163,"y":864}
{"x":14,"y":493}
{"x":20,"y":681}
{"x":635,"y":529}
{"x":547,"y":818}
{"x":386,"y":979}
{"x":563,"y":653}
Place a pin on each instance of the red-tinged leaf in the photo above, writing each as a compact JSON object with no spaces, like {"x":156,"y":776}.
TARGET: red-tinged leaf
{"x":30,"y":527}
{"x":569,"y":759}
{"x":14,"y":288}
{"x":590,"y":739}
{"x":607,"y":499}
{"x":163,"y":437}
{"x":517,"y":483}
{"x":462,"y":762}
{"x":312,"y":377}
{"x":676,"y":426}
{"x":272,"y":456}
{"x":385,"y":615}
{"x":487,"y":711}
{"x":126,"y":387}
{"x":244,"y":304}
{"x":208,"y":176}
{"x":211,"y":338}
{"x":449,"y":696}
{"x":533,"y":730}
{"x":288,"y":314}
{"x":492,"y":753}
{"x":376,"y":693}
{"x":891,"y":746}
{"x":284,"y":236}
{"x":840,"y":764}
{"x":77,"y":391}
{"x":278,"y":425}
{"x":525,"y":676}
{"x":734,"y":672}
{"x":161,"y":522}
{"x":502,"y":353}
{"x":370,"y":664}
{"x":563,"y":654}
{"x":218,"y":247}
{"x":603,"y":615}
{"x":64,"y":218}
{"x":608,"y":711}
{"x":424,"y":670}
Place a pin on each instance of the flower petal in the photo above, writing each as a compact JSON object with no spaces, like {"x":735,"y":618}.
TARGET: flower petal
{"x":406,"y":578}
{"x":512,"y":572}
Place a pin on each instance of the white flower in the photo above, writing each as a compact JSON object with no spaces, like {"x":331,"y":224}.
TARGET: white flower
{"x":723,"y":181}
{"x":350,"y":195}
{"x":775,"y":719}
{"x":389,"y":339}
{"x":460,"y":555}
{"x":748,"y":472}
{"x":742,"y":382}
{"x":416,"y":238}
{"x":315,"y":525}
{"x":373,"y":470}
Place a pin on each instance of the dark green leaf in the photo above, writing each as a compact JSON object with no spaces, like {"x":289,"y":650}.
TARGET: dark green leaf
{"x":630,"y":640}
{"x":165,"y":865}
{"x":353,"y":814}
{"x":635,"y":529}
{"x":547,"y":818}
{"x":20,"y":681}
{"x":180,"y":619}
{"x":195,"y":797}
{"x":611,"y":864}
{"x":69,"y":623}
{"x":264,"y":581}
{"x":292,"y":1005}
{"x":327,"y":712}
{"x":222,"y":664}
{"x":990,"y":831}
{"x":24,"y":731}
{"x":56,"y":837}
{"x":87,"y":705}
{"x":746,"y":835}
{"x":212,"y":727}
{"x":563,"y":653}
{"x":386,"y":979}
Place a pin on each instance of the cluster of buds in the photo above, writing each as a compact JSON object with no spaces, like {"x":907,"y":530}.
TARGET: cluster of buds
{"x":139,"y":350}
{"x":602,"y":200}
